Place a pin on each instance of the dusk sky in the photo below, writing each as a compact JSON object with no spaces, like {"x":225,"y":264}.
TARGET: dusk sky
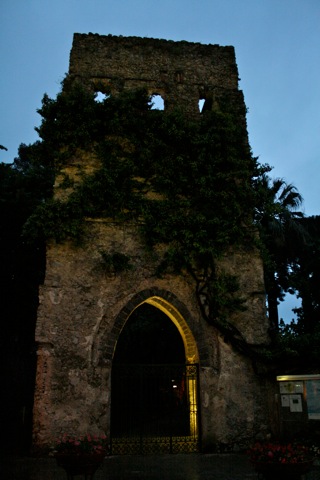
{"x":277,"y":45}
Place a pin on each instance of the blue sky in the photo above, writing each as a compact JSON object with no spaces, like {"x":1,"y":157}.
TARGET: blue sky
{"x":277,"y":44}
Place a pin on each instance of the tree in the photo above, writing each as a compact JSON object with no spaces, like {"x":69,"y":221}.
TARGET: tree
{"x":301,"y":338}
{"x":281,"y":233}
{"x":23,"y":186}
{"x":305,"y":278}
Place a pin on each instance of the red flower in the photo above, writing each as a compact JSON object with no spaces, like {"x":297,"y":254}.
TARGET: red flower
{"x":278,"y":453}
{"x":82,"y":444}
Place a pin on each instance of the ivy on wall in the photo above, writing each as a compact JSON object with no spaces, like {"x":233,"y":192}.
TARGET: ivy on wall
{"x":187,"y":183}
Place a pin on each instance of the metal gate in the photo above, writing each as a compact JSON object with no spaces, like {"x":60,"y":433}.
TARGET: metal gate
{"x":154,"y":409}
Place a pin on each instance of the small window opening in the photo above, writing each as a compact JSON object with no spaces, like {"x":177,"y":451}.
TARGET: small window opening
{"x":201,"y":104}
{"x":205,"y":104}
{"x":100,"y":97}
{"x":157,"y":102}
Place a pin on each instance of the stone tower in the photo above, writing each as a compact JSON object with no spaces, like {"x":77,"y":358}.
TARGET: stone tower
{"x":83,"y":312}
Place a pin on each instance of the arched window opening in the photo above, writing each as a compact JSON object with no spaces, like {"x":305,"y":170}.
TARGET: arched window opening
{"x":157,"y":102}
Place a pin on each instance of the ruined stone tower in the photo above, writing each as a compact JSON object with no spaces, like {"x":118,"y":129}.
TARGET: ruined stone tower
{"x":83,"y":311}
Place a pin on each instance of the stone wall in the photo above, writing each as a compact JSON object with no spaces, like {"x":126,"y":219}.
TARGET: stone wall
{"x":78,"y":325}
{"x":181,"y":72}
{"x":84,"y":305}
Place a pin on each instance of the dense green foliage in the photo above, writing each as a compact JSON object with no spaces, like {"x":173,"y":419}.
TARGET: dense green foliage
{"x":186,"y":182}
{"x":305,"y":277}
{"x":301,"y":337}
{"x":281,"y":233}
{"x":291,"y":251}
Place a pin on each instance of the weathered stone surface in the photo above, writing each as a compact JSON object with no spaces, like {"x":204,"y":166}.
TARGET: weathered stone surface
{"x":84,"y":305}
{"x":181,"y":72}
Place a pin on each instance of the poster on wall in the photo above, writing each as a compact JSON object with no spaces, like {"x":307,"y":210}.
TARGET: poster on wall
{"x":285,"y":400}
{"x":295,"y":403}
{"x":291,"y":387}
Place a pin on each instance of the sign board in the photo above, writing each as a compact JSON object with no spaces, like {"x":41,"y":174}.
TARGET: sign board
{"x":293,"y":388}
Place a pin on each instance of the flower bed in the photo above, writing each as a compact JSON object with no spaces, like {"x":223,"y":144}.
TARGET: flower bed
{"x":82,"y":444}
{"x":280,"y":461}
{"x":279,"y":453}
{"x":81,"y":455}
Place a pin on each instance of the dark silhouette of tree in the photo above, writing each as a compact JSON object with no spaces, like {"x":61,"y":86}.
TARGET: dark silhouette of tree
{"x":301,"y":338}
{"x":24,"y":184}
{"x":305,"y":278}
{"x":281,"y":232}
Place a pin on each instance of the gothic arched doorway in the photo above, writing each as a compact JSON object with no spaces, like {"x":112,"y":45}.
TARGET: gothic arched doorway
{"x":154,"y":394}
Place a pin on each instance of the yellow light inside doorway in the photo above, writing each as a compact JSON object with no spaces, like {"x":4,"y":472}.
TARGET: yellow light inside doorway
{"x":193,"y":407}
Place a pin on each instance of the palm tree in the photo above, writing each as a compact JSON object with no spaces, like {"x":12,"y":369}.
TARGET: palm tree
{"x":277,"y":217}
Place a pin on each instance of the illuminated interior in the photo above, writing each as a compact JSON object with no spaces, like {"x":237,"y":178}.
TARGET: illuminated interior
{"x":191,"y":350}
{"x":184,"y":386}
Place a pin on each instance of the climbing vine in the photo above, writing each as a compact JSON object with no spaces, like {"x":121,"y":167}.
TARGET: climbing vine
{"x":115,"y":262}
{"x":186,"y":182}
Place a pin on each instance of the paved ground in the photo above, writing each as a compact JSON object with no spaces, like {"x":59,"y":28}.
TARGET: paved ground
{"x":160,"y":467}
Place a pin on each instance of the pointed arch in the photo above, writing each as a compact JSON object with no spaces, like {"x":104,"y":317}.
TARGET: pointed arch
{"x":169,"y":304}
{"x":175,"y":316}
{"x":184,"y":406}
